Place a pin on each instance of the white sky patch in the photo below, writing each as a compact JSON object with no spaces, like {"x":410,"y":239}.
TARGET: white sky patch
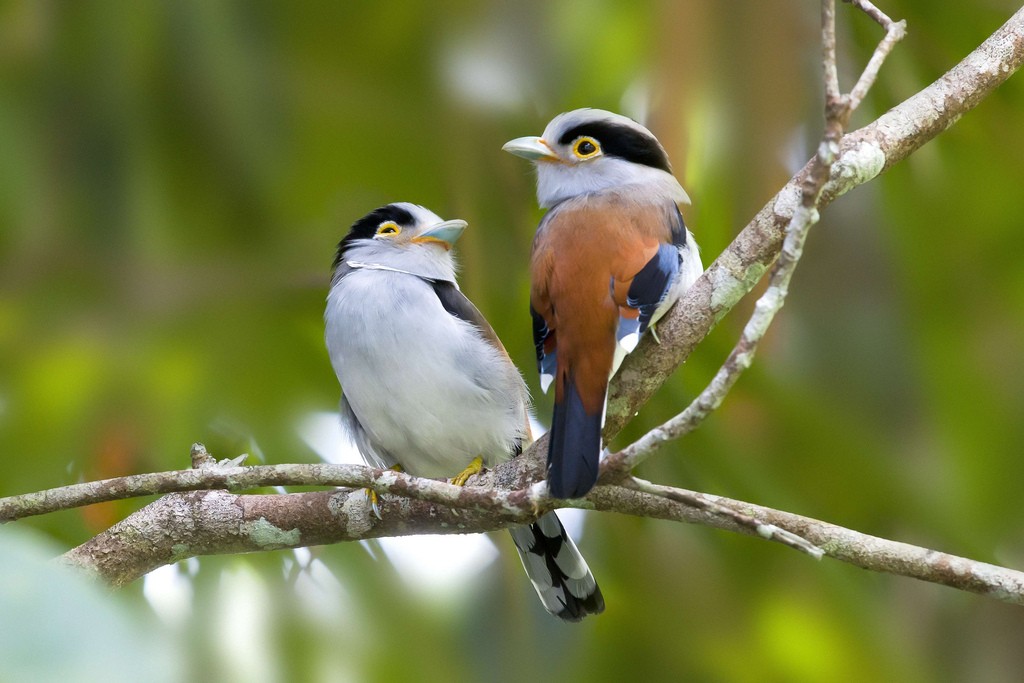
{"x":429,"y":564}
{"x":322,"y":432}
{"x":440,"y":566}
{"x":537,"y":428}
{"x":168,"y":590}
{"x":323,"y":596}
{"x":303,"y":556}
{"x":243,"y":619}
{"x":795,"y":151}
{"x":636,"y":100}
{"x":485,"y":69}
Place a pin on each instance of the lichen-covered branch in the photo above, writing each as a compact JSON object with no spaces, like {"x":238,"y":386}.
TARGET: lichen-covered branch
{"x":183,"y":525}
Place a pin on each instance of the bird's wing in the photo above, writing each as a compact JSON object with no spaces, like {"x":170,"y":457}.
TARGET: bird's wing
{"x":639,"y":296}
{"x":545,"y":339}
{"x":544,"y":343}
{"x":646,"y":292}
{"x":372,"y":454}
{"x":458,"y":305}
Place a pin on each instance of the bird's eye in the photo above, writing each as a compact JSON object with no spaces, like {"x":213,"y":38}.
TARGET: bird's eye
{"x":585,"y":148}
{"x":388,"y":229}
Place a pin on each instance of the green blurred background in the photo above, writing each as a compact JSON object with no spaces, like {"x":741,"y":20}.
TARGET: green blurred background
{"x":174,"y":177}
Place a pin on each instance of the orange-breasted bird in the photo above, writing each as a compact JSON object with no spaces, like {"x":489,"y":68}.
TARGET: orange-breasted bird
{"x":611,"y":255}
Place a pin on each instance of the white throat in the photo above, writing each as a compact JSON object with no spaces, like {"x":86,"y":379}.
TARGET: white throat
{"x":423,"y":261}
{"x":558,"y":181}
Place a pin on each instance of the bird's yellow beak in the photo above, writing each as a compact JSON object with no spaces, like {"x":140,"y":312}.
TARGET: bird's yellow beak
{"x":446,"y":234}
{"x":532,"y":148}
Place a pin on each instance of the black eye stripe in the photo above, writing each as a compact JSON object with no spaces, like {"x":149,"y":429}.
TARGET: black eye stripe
{"x":366,"y":227}
{"x":621,"y":141}
{"x":371,"y":221}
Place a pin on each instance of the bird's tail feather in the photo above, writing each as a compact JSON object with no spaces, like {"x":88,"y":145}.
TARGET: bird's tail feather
{"x":574,"y":448}
{"x":557,"y":570}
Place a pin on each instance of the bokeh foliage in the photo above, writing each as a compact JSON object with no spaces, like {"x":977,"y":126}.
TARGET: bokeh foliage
{"x":174,"y":177}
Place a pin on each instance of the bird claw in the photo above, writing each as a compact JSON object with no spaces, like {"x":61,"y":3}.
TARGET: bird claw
{"x":474,"y":467}
{"x":374,"y":499}
{"x":654,"y":334}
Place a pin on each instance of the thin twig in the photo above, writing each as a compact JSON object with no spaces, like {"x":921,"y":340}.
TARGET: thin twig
{"x":869,"y":9}
{"x":895,"y":31}
{"x":828,"y":49}
{"x":704,"y":502}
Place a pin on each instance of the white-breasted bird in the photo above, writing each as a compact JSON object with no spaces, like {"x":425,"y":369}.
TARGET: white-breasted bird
{"x":611,"y":255}
{"x":427,"y":385}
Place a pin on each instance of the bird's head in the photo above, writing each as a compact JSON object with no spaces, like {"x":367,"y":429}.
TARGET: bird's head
{"x":592,"y":150}
{"x":402,"y":235}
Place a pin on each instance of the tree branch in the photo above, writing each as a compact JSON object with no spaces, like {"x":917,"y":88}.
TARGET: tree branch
{"x":183,"y":525}
{"x":246,"y":478}
{"x":709,"y":504}
{"x":894,"y":33}
{"x":186,"y":524}
{"x":839,"y":543}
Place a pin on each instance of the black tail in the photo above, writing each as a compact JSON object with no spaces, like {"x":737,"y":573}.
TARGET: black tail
{"x":558,"y":571}
{"x":574,"y":446}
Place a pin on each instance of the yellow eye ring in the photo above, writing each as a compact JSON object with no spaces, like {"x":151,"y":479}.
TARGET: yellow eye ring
{"x":388,"y":229}
{"x":586,"y":147}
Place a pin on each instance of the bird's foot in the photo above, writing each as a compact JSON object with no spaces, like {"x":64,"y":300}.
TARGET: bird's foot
{"x":654,"y":334}
{"x":474,"y":467}
{"x":374,"y":500}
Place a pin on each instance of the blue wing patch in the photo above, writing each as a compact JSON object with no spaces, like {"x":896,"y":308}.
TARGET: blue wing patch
{"x":544,"y":343}
{"x":647,"y":291}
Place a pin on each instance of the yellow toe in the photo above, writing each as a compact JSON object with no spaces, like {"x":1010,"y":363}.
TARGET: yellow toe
{"x":371,"y":495}
{"x":474,"y":467}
